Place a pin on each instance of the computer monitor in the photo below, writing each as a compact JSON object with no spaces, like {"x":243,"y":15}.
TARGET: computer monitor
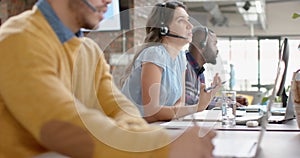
{"x":283,"y":56}
{"x":116,"y":17}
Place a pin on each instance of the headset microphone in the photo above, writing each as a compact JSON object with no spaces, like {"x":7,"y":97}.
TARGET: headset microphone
{"x":91,"y":6}
{"x":176,"y":36}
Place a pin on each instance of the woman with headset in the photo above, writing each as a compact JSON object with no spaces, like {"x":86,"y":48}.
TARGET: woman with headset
{"x":155,"y":80}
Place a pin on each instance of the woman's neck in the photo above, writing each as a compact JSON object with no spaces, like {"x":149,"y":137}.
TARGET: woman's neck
{"x":172,"y":48}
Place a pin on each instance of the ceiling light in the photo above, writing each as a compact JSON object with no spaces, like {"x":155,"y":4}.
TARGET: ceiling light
{"x":258,"y":7}
{"x":247,"y":5}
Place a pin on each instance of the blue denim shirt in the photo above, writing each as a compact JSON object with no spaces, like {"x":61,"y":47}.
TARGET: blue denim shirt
{"x":63,"y":33}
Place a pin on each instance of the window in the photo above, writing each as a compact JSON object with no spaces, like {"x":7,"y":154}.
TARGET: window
{"x":255,"y":61}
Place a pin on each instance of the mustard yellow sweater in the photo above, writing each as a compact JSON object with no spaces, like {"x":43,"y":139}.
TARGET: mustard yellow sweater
{"x":61,"y":97}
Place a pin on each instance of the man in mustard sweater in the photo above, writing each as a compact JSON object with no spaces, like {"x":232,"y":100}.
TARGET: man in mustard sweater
{"x":56,"y":92}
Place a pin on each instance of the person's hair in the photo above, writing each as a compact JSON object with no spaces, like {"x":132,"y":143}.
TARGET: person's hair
{"x":162,"y":13}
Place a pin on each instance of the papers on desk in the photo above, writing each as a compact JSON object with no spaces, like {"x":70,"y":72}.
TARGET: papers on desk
{"x":278,"y":111}
{"x":206,"y":115}
{"x":210,"y":118}
{"x":240,"y":113}
{"x":211,"y":115}
{"x":252,"y":108}
{"x":248,"y":117}
{"x":176,"y":124}
{"x":206,"y":118}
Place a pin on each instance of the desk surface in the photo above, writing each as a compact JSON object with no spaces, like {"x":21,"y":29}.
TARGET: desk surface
{"x":212,"y":118}
{"x":280,"y":144}
{"x":290,"y":125}
{"x":280,"y":140}
{"x":274,"y":144}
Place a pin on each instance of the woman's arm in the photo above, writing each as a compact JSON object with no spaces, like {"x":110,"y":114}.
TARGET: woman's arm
{"x":151,"y":81}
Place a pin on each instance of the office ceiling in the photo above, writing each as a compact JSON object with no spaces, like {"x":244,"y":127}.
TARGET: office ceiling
{"x":253,"y":12}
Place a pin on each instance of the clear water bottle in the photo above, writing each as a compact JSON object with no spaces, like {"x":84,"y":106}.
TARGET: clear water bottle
{"x":228,"y":109}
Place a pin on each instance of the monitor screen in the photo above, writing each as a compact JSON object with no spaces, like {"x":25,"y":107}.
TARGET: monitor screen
{"x":111,"y":21}
{"x":283,"y":56}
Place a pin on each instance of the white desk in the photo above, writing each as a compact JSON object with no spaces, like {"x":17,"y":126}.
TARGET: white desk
{"x":280,"y":140}
{"x":290,"y":125}
{"x":213,"y":118}
{"x":277,"y":144}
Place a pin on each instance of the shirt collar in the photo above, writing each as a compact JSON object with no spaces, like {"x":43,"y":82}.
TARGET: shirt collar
{"x":63,"y":33}
{"x":197,"y":68}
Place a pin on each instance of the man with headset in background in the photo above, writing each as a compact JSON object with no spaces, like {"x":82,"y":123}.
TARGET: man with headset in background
{"x":203,"y":49}
{"x":57,"y":94}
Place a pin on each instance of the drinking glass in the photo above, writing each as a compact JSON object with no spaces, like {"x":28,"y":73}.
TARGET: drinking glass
{"x":228,"y":108}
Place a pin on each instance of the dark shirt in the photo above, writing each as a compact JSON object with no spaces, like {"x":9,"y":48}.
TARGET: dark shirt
{"x":193,"y":78}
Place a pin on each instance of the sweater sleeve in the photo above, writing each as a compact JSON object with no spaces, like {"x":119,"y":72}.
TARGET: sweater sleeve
{"x":40,"y":101}
{"x":130,"y":124}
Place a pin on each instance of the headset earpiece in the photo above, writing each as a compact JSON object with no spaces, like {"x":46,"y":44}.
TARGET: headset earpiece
{"x":204,"y":42}
{"x":164,"y":30}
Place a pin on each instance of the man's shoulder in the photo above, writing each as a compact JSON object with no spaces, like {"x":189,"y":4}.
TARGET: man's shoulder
{"x":90,"y":44}
{"x":88,"y":41}
{"x":27,"y":25}
{"x":189,"y":57}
